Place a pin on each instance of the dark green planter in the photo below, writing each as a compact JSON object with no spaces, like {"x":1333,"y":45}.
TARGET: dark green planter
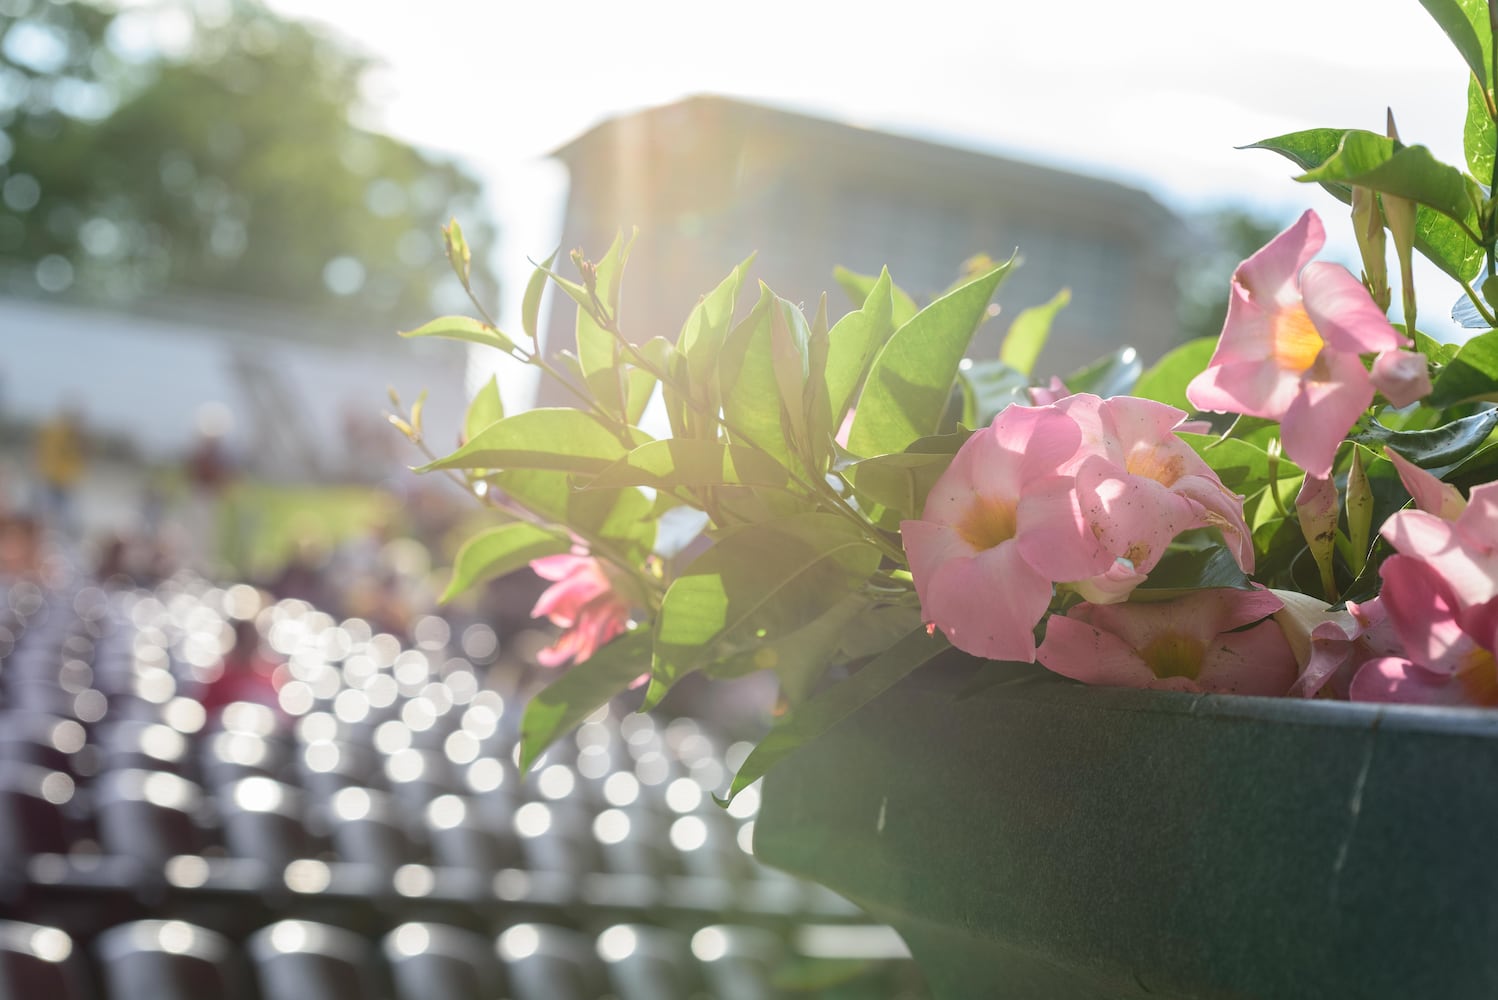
{"x":1045,"y":840}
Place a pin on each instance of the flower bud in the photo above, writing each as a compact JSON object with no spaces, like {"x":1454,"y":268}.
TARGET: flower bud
{"x":1316,"y":507}
{"x":1368,"y":226}
{"x":1359,"y":504}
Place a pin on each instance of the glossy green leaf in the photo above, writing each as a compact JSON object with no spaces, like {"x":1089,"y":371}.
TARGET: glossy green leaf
{"x":839,"y":701}
{"x":790,"y":359}
{"x":988,"y":387}
{"x":1466,"y":24}
{"x":691,"y":463}
{"x":1479,"y":134}
{"x":1445,"y":445}
{"x":1471,"y":374}
{"x":463,"y":328}
{"x":497,"y":551}
{"x":800,"y":658}
{"x":860,"y":286}
{"x":853,"y":341}
{"x":485,"y":408}
{"x":756,"y":585}
{"x":1167,"y":379}
{"x":621,"y":517}
{"x":551,"y":438}
{"x":910,"y":382}
{"x":1369,"y":160}
{"x":580,"y":691}
{"x":1029,"y":331}
{"x":1111,"y":375}
{"x":530,"y":305}
{"x":1437,"y":237}
{"x":1182,"y":572}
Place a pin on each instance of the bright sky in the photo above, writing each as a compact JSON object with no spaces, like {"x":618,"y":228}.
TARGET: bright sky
{"x":1155,"y":93}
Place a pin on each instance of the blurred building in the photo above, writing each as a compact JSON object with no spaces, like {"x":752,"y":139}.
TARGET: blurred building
{"x":293,"y":397}
{"x":709,"y":180}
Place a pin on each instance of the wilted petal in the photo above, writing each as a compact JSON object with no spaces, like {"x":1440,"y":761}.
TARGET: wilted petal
{"x":1402,"y":376}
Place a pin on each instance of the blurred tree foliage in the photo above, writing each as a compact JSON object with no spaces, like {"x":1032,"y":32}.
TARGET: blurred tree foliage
{"x":189,"y":145}
{"x":1224,"y":238}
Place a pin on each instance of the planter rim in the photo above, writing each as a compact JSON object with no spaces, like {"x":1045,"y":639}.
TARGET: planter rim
{"x":1295,"y":711}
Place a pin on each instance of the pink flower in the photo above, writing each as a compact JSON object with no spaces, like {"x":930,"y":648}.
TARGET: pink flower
{"x":1332,"y":646}
{"x":974,"y":581}
{"x":582,"y":601}
{"x":1290,"y":348}
{"x":1402,"y":376}
{"x":1043,"y":395}
{"x":1462,"y":552}
{"x":1195,"y":643}
{"x":1447,"y":656}
{"x":1429,"y":493}
{"x":1139,"y":485}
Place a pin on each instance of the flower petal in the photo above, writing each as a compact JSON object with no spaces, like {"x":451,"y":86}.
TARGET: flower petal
{"x":1402,"y":376}
{"x":1430,"y":494}
{"x":1333,"y":394}
{"x":989,"y":604}
{"x":1254,"y":661}
{"x":1344,"y":313}
{"x":1271,"y":274}
{"x":1075,"y":649}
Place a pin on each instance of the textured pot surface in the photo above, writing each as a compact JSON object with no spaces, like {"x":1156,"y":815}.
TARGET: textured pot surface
{"x":1042,"y":839}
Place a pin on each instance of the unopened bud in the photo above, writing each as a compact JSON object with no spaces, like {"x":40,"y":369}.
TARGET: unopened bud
{"x":1316,"y":507}
{"x":1359,"y":505}
{"x":1368,"y":226}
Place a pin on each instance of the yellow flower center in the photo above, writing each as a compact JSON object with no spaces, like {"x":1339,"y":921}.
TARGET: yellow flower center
{"x":988,"y":523}
{"x":1296,"y":342}
{"x":1174,"y":656}
{"x":1155,"y":463}
{"x":1479,"y":675}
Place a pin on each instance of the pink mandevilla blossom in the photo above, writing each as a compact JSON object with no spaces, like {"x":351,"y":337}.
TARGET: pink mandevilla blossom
{"x":1447,"y":655}
{"x":973,"y":580}
{"x":1290,"y":348}
{"x":1429,"y":493}
{"x":583,"y":602}
{"x":1463,"y":551}
{"x":1138,"y":486}
{"x":1332,"y":646}
{"x":1195,"y":643}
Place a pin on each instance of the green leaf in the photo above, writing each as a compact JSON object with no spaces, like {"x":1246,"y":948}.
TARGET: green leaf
{"x":911,"y":380}
{"x":1437,"y":237}
{"x":988,"y":387}
{"x":1466,"y":24}
{"x":550,"y":438}
{"x":756,"y":585}
{"x":900,"y":481}
{"x":458,"y":253}
{"x":1028,"y":333}
{"x":691,"y":463}
{"x":1182,"y":572}
{"x":790,"y":359}
{"x":1445,"y":445}
{"x":623,"y":517}
{"x":1471,"y":374}
{"x":706,"y":327}
{"x":854,"y":340}
{"x":1366,"y":159}
{"x":530,"y":305}
{"x":485,"y":409}
{"x":598,"y":349}
{"x":578,"y":693}
{"x":860,"y":286}
{"x":1111,"y":375}
{"x":1243,"y":467}
{"x":640,"y":383}
{"x":750,"y":382}
{"x":1479,"y":135}
{"x":501,"y":550}
{"x":1166,"y":381}
{"x":801,"y":658}
{"x":463,"y":328}
{"x":838,"y":702}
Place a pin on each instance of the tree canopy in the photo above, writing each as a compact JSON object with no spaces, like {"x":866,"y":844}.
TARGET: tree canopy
{"x":211,"y":148}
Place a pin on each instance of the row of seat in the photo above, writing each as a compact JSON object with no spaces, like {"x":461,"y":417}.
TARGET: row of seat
{"x":298,"y":959}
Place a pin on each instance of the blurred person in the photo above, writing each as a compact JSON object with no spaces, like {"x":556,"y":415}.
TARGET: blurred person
{"x":60,"y":461}
{"x":20,"y":547}
{"x":248,"y":673}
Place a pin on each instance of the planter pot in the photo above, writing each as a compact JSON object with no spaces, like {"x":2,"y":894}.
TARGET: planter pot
{"x":1040,"y":839}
